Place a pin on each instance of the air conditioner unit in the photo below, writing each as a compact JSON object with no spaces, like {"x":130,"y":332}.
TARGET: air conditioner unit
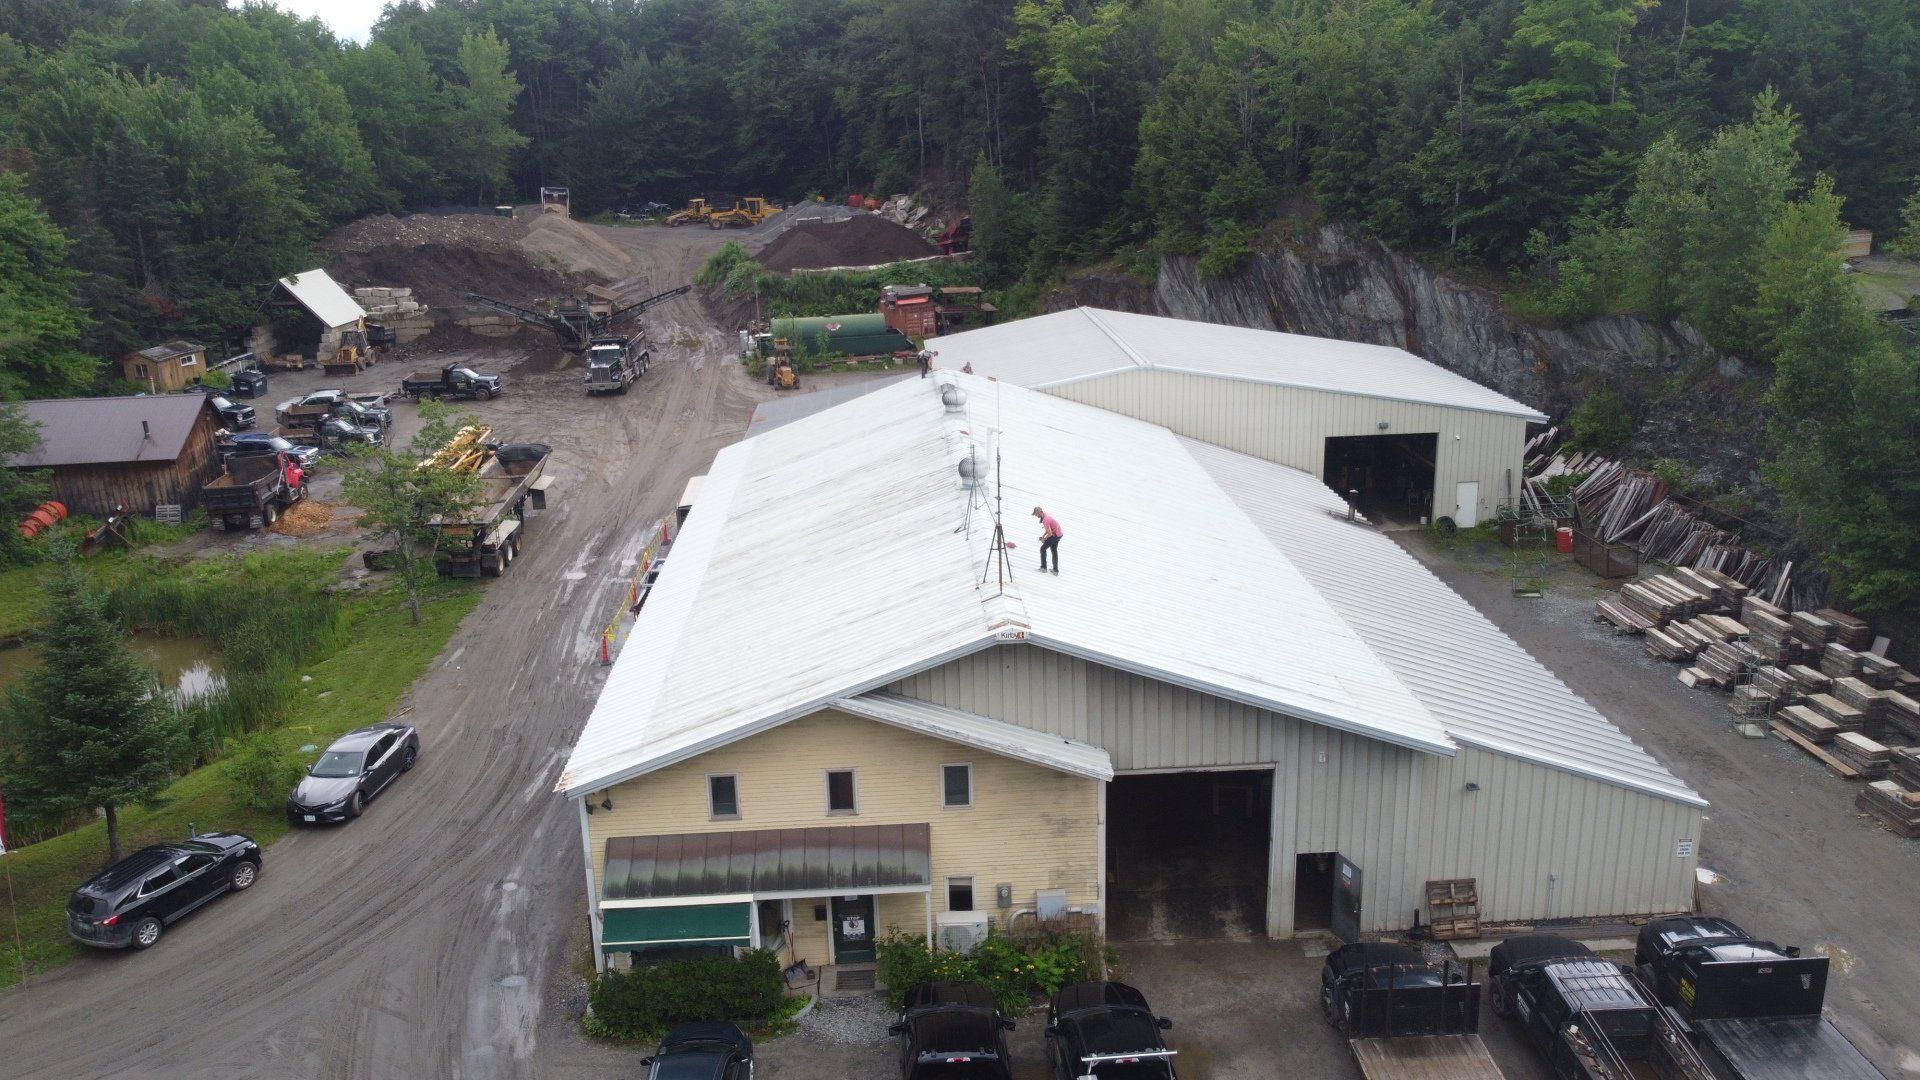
{"x":961,"y":931}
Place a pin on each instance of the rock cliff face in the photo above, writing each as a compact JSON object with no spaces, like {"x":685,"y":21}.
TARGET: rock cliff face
{"x":1334,"y":283}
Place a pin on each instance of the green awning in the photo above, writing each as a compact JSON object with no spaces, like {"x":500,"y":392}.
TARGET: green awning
{"x":630,"y":929}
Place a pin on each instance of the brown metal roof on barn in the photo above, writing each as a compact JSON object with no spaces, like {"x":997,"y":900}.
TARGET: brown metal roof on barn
{"x":171,"y":349}
{"x":838,"y":859}
{"x":112,"y":430}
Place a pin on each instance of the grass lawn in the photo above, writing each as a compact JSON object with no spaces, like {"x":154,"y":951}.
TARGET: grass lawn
{"x":19,"y":602}
{"x":361,"y":683}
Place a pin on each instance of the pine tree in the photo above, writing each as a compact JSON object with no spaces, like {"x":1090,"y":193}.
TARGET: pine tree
{"x":88,"y":728}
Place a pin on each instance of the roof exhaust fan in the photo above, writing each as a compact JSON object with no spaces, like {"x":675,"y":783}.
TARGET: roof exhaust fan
{"x":954,"y":398}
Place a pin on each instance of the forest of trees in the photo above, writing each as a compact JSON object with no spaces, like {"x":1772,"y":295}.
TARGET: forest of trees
{"x":161,"y":161}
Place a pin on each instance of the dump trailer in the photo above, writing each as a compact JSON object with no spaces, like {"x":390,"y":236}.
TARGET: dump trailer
{"x":485,"y":541}
{"x":1752,"y":1007}
{"x":1403,"y":1016}
{"x":614,"y":362}
{"x":253,"y":491}
{"x":1587,"y":1018}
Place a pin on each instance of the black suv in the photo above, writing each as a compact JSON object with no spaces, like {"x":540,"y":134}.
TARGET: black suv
{"x":1105,"y":1029}
{"x":952,"y":1031}
{"x":708,"y":1050}
{"x":129,"y":904}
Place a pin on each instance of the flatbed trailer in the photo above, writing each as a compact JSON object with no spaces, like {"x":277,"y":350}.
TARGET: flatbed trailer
{"x":484,"y":543}
{"x":1429,"y":1030}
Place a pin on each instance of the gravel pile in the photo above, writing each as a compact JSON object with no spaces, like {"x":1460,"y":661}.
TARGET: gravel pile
{"x":847,"y":1021}
{"x":475,"y":232}
{"x":799,"y":213}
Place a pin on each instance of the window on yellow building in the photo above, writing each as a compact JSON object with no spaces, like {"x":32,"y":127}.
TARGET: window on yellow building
{"x":840,"y":792}
{"x":956,"y":785}
{"x":959,"y":894}
{"x":723,"y":796}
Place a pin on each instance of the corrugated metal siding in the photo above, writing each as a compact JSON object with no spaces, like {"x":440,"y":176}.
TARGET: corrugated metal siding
{"x":1291,"y":425}
{"x":1544,"y":843}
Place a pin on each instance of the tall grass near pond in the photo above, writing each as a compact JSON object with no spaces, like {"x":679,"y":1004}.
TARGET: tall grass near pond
{"x":266,"y":615}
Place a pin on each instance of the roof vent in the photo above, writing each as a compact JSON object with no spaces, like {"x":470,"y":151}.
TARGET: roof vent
{"x":972,"y":470}
{"x":954,"y":398}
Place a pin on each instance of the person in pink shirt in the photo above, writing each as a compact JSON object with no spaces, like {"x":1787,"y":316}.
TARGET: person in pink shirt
{"x":1050,"y":534}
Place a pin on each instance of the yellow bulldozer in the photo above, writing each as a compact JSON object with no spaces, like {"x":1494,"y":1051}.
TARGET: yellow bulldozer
{"x":693,"y":213}
{"x":747,"y":212}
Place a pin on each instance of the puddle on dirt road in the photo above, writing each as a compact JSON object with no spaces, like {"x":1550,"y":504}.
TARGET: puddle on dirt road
{"x":186,"y":666}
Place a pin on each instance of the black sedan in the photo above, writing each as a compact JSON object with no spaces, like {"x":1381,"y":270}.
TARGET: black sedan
{"x":952,"y":1031}
{"x":1104,"y":1029}
{"x":709,"y":1050}
{"x":131,"y":903}
{"x":356,"y":768}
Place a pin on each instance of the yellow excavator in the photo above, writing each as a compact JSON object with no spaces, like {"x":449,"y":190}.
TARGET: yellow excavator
{"x":747,"y":212}
{"x":694,"y":212}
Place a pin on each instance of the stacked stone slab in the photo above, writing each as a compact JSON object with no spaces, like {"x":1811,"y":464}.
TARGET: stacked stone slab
{"x":395,"y":308}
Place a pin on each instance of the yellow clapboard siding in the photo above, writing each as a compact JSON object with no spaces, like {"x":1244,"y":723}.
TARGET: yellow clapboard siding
{"x":1029,"y":826}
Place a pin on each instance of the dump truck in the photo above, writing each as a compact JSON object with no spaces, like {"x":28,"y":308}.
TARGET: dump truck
{"x":1587,"y":1018}
{"x":1752,"y":1007}
{"x":484,"y":541}
{"x":253,"y":490}
{"x":454,"y":380}
{"x":1403,"y":1015}
{"x":614,"y":362}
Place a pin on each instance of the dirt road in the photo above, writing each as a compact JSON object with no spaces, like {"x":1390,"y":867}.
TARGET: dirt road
{"x":429,"y":937}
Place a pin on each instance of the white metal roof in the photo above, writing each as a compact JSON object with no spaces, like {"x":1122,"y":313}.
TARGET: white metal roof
{"x":837,"y":554}
{"x":1488,"y":691}
{"x":324,"y":297}
{"x":971,"y":729}
{"x":1088,"y":343}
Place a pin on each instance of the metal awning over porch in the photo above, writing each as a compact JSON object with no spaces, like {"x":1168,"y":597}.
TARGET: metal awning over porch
{"x":639,"y":929}
{"x":643,"y":871}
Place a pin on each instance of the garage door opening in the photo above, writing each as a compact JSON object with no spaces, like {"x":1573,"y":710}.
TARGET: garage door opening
{"x":1187,"y":855}
{"x":1393,"y":475}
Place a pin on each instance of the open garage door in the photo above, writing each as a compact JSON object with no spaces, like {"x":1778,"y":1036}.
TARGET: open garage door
{"x":1393,"y":475}
{"x":1187,"y":855}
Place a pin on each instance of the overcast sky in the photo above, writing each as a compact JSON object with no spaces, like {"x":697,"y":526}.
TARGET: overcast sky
{"x":346,"y":18}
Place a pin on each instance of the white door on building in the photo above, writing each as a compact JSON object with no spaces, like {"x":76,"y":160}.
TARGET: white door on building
{"x":1466,"y":504}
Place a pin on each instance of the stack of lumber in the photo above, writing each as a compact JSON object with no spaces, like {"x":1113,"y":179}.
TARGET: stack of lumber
{"x":1901,"y":713}
{"x":1837,"y":660}
{"x":1879,"y":672}
{"x":1664,"y":599}
{"x":1861,"y":754}
{"x":1726,"y":592}
{"x":1812,"y":629}
{"x":1750,"y":700}
{"x":1903,"y":767}
{"x":1905,"y":681}
{"x":1848,"y":630}
{"x":1669,"y":645}
{"x":1810,"y":680}
{"x":1844,"y":716}
{"x":1622,"y":616}
{"x":1776,"y":684}
{"x":1892,"y":806}
{"x":1768,"y":631}
{"x":1858,"y":694}
{"x":1754,"y":604}
{"x":1722,"y":662}
{"x":1809,"y":724}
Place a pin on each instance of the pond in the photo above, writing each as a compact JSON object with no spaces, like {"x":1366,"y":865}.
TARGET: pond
{"x":187,"y":667}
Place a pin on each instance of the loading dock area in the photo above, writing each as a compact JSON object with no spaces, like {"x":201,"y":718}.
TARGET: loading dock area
{"x":1187,"y":854}
{"x":1388,"y":477}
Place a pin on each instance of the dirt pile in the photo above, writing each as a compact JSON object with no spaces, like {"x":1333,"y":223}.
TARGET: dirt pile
{"x":556,"y":239}
{"x":864,"y":240}
{"x":442,"y":275}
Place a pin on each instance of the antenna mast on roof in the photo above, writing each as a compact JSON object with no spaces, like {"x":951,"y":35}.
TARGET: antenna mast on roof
{"x":997,"y":551}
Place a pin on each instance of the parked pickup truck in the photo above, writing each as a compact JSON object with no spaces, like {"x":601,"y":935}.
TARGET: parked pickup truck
{"x":1403,"y":1015}
{"x":613,"y":363}
{"x":365,"y":410}
{"x":1587,"y":1018}
{"x":253,"y":491}
{"x":454,"y":380}
{"x":485,"y":541}
{"x":1752,"y":1006}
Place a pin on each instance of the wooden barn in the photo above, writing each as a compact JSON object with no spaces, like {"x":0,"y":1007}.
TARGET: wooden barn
{"x":140,"y":452}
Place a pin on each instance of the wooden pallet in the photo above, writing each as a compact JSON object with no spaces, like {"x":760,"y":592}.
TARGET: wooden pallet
{"x":1453,"y":908}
